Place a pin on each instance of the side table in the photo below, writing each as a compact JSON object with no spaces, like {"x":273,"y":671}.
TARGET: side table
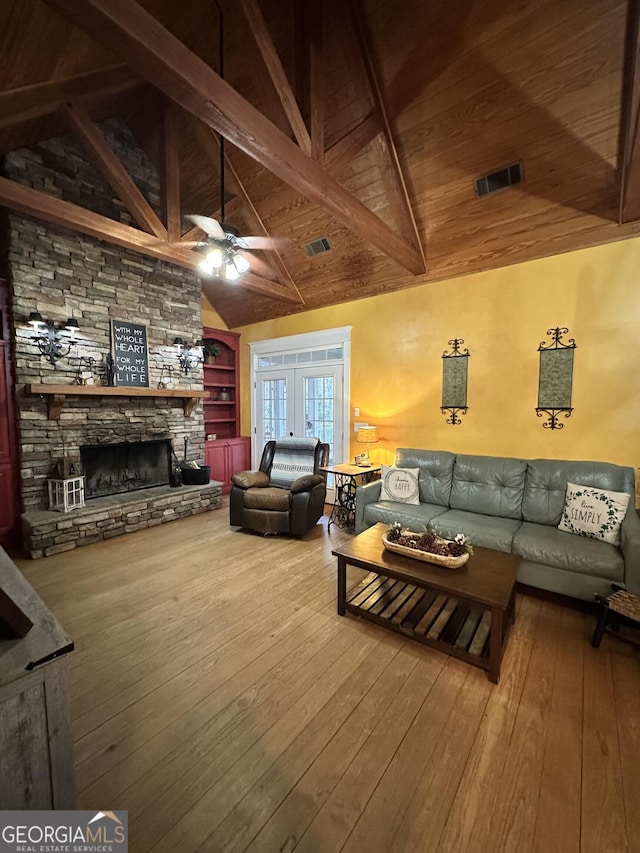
{"x":347,"y":478}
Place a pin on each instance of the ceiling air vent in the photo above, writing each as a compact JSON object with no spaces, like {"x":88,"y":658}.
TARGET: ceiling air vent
{"x":318,"y":247}
{"x":498,"y":180}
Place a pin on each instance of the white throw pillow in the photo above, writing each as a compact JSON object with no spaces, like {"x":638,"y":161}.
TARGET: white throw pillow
{"x":596,"y":513}
{"x":400,"y":485}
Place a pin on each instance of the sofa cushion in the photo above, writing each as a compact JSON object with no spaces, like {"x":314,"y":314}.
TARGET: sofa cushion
{"x":546,"y":485}
{"x":400,"y":484}
{"x":595,"y":513}
{"x":540,"y":543}
{"x":413,"y":517}
{"x":485,"y":530}
{"x":488,"y":485}
{"x":436,"y":472}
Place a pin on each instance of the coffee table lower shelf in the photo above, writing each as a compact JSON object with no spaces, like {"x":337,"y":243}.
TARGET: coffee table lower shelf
{"x":442,"y":621}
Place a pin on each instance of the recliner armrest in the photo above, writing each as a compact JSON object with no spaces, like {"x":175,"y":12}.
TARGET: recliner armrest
{"x":250,"y":479}
{"x":306,"y":483}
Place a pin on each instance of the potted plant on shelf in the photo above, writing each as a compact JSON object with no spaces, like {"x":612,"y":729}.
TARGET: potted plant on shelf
{"x":211,"y":350}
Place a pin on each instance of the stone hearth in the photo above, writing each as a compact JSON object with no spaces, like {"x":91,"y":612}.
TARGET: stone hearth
{"x":47,"y":533}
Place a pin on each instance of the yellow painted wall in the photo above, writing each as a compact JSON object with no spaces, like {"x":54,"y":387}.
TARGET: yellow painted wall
{"x":210,"y":316}
{"x":398,"y":340}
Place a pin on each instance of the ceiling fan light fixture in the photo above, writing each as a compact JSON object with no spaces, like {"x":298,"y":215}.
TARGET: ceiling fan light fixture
{"x":211,"y":262}
{"x":230,"y":271}
{"x":241,"y":263}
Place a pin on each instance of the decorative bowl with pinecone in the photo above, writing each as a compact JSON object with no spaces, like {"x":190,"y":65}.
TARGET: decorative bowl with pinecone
{"x":428,"y":546}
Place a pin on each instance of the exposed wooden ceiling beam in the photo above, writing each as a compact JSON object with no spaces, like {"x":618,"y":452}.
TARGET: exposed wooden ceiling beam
{"x":342,"y":151}
{"x":112,"y":170}
{"x":162,"y":59}
{"x":170,"y":172}
{"x":63,"y":213}
{"x":41,"y":99}
{"x":267,"y":49}
{"x":211,"y":145}
{"x":265,"y":286}
{"x":57,"y":212}
{"x":399,"y":195}
{"x":630,"y":178}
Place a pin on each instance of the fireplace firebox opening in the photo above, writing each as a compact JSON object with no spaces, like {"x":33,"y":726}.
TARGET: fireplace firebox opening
{"x":111,"y":469}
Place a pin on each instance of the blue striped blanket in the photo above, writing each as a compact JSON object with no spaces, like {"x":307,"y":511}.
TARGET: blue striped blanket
{"x":293,"y":458}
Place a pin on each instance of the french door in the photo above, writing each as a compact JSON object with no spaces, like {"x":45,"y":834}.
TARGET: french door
{"x":301,"y":402}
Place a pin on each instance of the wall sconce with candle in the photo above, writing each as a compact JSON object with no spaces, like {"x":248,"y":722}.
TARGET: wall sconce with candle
{"x":53,"y":340}
{"x":189,"y":355}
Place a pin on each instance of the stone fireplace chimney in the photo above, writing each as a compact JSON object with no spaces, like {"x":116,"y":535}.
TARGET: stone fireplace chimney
{"x":62,"y":274}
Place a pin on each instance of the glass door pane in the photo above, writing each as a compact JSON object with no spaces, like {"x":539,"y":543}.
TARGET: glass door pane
{"x":319,"y":409}
{"x":319,"y":403}
{"x":272,"y":401}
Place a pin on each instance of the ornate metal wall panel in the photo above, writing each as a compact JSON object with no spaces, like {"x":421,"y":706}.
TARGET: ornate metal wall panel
{"x":455,"y":366}
{"x":555,"y":383}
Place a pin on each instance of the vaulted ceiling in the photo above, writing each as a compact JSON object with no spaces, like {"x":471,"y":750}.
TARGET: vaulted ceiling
{"x":364,"y":121}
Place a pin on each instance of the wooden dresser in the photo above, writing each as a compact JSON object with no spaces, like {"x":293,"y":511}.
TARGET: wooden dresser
{"x":35,"y":732}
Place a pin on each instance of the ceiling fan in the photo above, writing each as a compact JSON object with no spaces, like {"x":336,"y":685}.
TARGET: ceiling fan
{"x":224,"y":249}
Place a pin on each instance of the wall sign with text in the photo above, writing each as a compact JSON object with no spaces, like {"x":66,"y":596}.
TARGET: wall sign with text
{"x":130,"y":354}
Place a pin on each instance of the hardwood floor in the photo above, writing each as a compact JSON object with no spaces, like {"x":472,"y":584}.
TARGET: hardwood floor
{"x":217,"y":697}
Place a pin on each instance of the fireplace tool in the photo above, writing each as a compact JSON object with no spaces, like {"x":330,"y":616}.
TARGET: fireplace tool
{"x":192,"y":473}
{"x":176,"y":469}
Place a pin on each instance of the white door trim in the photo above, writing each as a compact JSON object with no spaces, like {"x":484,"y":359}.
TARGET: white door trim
{"x":293,"y":343}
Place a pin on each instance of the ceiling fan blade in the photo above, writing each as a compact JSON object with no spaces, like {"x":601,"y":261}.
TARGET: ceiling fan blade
{"x":210,"y":226}
{"x":260,"y":267}
{"x":264,"y":242}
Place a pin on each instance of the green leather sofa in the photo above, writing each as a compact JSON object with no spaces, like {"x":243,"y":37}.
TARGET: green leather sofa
{"x":515,"y":505}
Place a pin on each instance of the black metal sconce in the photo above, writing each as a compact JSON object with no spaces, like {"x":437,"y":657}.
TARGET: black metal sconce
{"x":189,"y":355}
{"x":555,"y":378}
{"x":454,"y":381}
{"x":54,"y":341}
{"x":166,"y":376}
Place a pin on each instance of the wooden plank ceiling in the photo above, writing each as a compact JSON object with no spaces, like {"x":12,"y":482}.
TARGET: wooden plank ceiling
{"x":342,"y":118}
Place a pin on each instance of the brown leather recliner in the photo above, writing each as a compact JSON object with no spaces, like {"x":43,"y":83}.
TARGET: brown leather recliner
{"x":265,"y":508}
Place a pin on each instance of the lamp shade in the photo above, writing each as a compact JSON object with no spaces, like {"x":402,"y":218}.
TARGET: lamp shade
{"x":368,"y":435}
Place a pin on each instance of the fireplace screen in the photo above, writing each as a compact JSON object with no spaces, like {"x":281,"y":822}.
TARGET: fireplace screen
{"x":110,"y":469}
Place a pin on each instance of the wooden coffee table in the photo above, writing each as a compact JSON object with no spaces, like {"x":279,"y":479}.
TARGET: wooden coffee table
{"x":465,"y":612}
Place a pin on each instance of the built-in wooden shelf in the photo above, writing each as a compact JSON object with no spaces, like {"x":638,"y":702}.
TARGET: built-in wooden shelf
{"x":58,"y":394}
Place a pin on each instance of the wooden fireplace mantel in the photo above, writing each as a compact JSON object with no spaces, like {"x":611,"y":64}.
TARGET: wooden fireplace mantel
{"x":57,"y":395}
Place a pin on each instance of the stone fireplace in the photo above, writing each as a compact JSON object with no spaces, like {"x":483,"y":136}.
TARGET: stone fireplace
{"x":63,"y":274}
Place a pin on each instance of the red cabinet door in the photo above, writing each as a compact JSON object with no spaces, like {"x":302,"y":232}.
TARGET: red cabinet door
{"x":226,"y":457}
{"x":239,"y":452}
{"x":215,"y":455}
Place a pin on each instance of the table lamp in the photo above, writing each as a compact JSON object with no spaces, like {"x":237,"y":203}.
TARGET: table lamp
{"x":368,"y":435}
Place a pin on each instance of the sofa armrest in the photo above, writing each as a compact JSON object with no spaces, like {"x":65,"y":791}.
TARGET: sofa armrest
{"x":250,"y":479}
{"x":368,"y":494}
{"x":630,"y":547}
{"x":306,"y":483}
